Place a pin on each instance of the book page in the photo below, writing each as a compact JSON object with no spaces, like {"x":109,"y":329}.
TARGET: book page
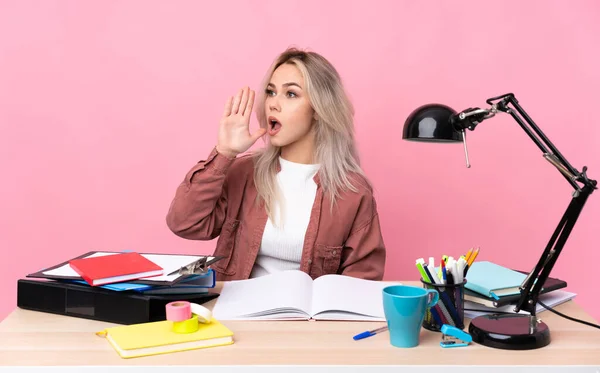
{"x":281,"y":295}
{"x":550,"y":299}
{"x":337,"y":297}
{"x":66,"y":269}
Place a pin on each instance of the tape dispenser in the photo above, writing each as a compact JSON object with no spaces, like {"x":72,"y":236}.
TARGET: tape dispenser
{"x":186,"y":316}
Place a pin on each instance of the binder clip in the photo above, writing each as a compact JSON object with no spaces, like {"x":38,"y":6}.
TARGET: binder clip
{"x":197,"y":267}
{"x":454,"y":337}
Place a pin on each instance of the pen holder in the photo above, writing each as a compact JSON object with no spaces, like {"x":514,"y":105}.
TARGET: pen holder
{"x":450,"y":308}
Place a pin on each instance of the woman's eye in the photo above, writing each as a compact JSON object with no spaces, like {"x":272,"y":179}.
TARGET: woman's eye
{"x":269,"y":92}
{"x":291,"y":94}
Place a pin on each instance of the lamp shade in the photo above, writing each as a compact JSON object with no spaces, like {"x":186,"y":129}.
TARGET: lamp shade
{"x":431,"y":123}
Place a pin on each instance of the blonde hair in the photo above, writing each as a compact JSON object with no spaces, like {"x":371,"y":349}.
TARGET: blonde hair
{"x":334,"y":130}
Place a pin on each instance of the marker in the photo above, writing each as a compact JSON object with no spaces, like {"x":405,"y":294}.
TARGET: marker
{"x":449,"y":277}
{"x":460,"y":267}
{"x":457,"y":275}
{"x":434,"y":275}
{"x":419,"y":263}
{"x":429,"y":275}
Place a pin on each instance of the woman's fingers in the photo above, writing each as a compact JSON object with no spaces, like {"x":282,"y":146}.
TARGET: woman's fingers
{"x":243,"y":101}
{"x":257,"y":134}
{"x":248,"y":109}
{"x":236,"y":102}
{"x":227,"y":109}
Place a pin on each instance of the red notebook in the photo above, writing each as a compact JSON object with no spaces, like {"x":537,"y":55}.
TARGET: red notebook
{"x":108,"y":269}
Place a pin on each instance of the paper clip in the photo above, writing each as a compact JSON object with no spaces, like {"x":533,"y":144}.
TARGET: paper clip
{"x":454,"y":337}
{"x":197,"y":267}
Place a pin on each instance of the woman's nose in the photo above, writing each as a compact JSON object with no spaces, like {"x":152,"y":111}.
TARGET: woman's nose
{"x":274,"y":104}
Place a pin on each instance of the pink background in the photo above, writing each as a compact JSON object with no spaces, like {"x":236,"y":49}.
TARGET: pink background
{"x":104,"y":106}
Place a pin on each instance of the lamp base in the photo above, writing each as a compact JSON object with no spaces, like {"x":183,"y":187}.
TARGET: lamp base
{"x":510,"y":332}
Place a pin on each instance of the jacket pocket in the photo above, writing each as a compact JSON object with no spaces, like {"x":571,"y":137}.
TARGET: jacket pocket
{"x":226,"y":244}
{"x":328,"y":258}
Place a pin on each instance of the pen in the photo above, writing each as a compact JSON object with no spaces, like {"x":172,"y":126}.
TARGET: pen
{"x":435,"y":313}
{"x":369,"y":333}
{"x":442,"y":263}
{"x":443,"y":272}
{"x":452,"y":313}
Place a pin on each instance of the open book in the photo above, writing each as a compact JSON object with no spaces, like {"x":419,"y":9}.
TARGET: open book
{"x":290,"y":295}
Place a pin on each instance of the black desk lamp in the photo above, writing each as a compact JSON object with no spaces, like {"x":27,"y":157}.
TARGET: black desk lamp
{"x":440,"y":123}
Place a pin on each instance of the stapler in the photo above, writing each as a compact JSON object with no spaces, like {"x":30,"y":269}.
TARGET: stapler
{"x":454,"y":337}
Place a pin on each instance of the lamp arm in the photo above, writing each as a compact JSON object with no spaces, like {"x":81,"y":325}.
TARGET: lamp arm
{"x":532,"y":285}
{"x":550,"y":152}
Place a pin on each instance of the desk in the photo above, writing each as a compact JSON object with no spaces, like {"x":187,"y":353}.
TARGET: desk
{"x":29,"y":338}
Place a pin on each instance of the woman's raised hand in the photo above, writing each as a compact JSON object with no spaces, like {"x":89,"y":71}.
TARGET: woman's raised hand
{"x":234,"y":127}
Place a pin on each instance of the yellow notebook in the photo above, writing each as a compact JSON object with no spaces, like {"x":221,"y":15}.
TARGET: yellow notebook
{"x":157,"y":338}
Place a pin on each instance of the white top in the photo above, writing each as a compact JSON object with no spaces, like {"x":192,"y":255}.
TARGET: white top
{"x":281,"y":246}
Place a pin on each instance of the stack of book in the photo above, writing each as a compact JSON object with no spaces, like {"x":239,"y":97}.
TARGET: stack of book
{"x":120,"y":287}
{"x":132,"y":271}
{"x":492,"y":288}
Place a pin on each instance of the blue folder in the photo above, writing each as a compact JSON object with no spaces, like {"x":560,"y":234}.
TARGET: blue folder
{"x":206,"y":280}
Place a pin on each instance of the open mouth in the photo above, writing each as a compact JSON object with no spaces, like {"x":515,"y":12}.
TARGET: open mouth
{"x":274,"y":126}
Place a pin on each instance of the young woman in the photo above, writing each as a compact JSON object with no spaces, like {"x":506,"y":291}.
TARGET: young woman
{"x":302,"y":202}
